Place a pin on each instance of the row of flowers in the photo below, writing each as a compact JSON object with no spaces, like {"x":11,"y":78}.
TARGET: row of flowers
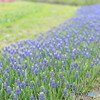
{"x":63,"y":60}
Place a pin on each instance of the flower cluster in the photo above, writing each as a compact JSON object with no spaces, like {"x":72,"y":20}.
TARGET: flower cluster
{"x":63,"y":61}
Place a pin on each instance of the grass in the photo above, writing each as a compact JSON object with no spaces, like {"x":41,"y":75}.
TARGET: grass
{"x":72,"y":2}
{"x":21,"y":20}
{"x":74,"y":54}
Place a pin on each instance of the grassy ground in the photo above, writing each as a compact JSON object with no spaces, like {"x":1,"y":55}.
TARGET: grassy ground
{"x":20,"y":20}
{"x":72,"y":2}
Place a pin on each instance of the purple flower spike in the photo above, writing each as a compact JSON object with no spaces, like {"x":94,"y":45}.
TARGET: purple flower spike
{"x":74,"y":86}
{"x":37,"y":82}
{"x":17,"y":90}
{"x":41,"y":96}
{"x":6,"y":75}
{"x":4,"y":86}
{"x":76,"y":75}
{"x":9,"y":90}
{"x":53,"y":83}
{"x":15,"y":97}
{"x":35,"y":70}
{"x":0,"y":70}
{"x":17,"y":81}
{"x":44,"y":77}
{"x":32,"y":97}
{"x":61,"y":76}
{"x":31,"y":85}
{"x":67,"y":85}
{"x":23,"y":85}
{"x":52,"y":73}
{"x":45,"y":62}
{"x":23,"y":73}
{"x":43,"y":89}
{"x":26,"y":82}
{"x":87,"y":74}
{"x":65,"y":92}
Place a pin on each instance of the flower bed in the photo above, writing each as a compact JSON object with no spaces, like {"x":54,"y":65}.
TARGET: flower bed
{"x":63,"y":61}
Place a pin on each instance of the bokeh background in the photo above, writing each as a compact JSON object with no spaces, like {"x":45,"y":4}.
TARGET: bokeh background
{"x":26,"y":19}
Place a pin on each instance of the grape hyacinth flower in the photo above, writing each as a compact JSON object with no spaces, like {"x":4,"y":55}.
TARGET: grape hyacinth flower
{"x":26,"y":82}
{"x":74,"y":86}
{"x":18,"y":72}
{"x":87,"y":74}
{"x":64,"y":57}
{"x":41,"y":96}
{"x":23,"y":73}
{"x":5,"y":85}
{"x":45,"y":62}
{"x":77,"y":74}
{"x":0,"y":70}
{"x":67,"y":85}
{"x":63,"y":64}
{"x":60,"y":75}
{"x":53,"y":83}
{"x":15,"y":97}
{"x":32,"y":97}
{"x":52,"y":73}
{"x":9,"y":90}
{"x":22,"y":85}
{"x":31,"y":85}
{"x":25,"y":65}
{"x":17,"y":81}
{"x":65,"y":92}
{"x":62,"y":78}
{"x":35,"y":70}
{"x":37,"y":81}
{"x":43,"y":89}
{"x":17,"y":90}
{"x":44,"y":77}
{"x":6,"y":75}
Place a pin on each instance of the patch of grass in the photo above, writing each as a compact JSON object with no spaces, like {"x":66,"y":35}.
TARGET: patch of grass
{"x":20,"y":20}
{"x":72,"y":2}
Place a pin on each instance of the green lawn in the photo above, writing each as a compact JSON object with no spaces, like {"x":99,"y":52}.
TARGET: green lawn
{"x":21,"y":20}
{"x":72,"y":2}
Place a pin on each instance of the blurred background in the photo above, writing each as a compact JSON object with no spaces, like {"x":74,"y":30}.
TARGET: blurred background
{"x":72,"y":2}
{"x":21,"y":19}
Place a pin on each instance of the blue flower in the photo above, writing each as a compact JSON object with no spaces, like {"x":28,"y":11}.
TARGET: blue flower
{"x":87,"y":74}
{"x":32,"y":97}
{"x":41,"y":96}
{"x":77,"y":74}
{"x":22,"y":85}
{"x":1,"y":69}
{"x":45,"y":62}
{"x":53,"y":83}
{"x":35,"y":70}
{"x":17,"y":90}
{"x":52,"y":73}
{"x":9,"y":90}
{"x":31,"y":85}
{"x":43,"y":89}
{"x":74,"y":86}
{"x":65,"y":92}
{"x":15,"y":97}
{"x":67,"y":85}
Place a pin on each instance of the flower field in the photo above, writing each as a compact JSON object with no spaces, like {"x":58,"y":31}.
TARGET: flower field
{"x":65,"y":60}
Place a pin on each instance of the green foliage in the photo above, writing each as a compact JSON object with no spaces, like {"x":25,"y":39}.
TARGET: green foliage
{"x":73,"y":2}
{"x":22,"y":20}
